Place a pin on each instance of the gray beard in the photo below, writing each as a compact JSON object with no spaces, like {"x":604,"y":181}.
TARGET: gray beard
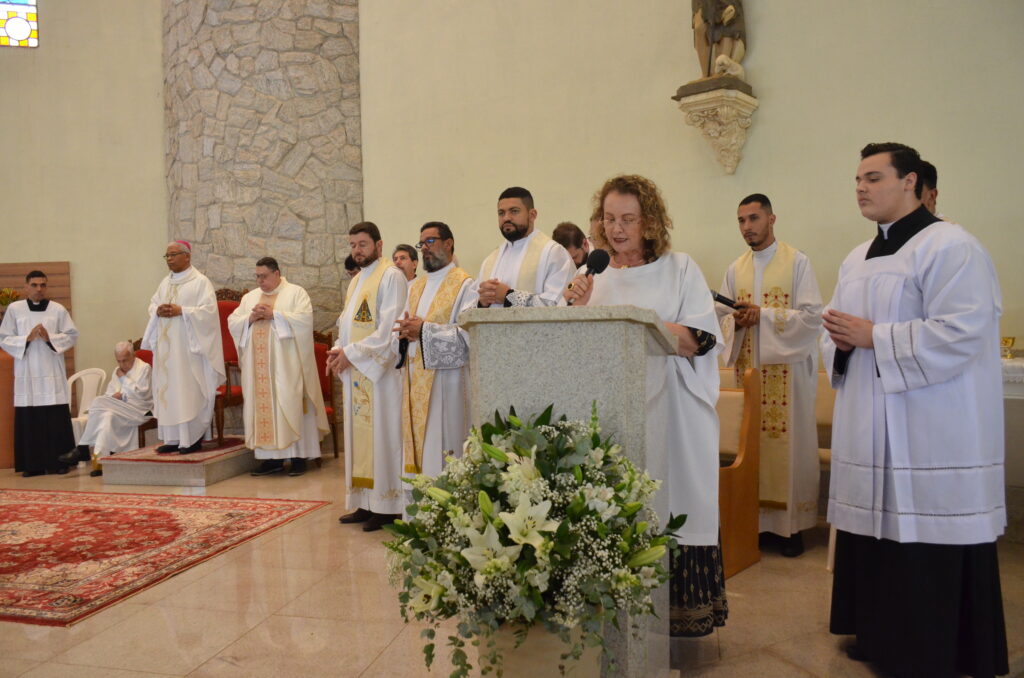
{"x":436,"y":265}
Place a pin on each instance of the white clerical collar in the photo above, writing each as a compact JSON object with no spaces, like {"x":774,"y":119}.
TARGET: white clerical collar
{"x":181,"y":275}
{"x":767,"y":252}
{"x":441,"y":272}
{"x":521,"y":243}
{"x":885,"y":229}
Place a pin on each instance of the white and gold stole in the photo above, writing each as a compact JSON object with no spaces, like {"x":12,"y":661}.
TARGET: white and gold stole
{"x":416,"y":388}
{"x":363,"y":325}
{"x":776,"y":386}
{"x":527,"y":279}
{"x":262,"y":364}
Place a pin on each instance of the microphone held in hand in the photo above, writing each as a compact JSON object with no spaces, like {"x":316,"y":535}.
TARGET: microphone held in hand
{"x":597,"y":261}
{"x":723,"y":300}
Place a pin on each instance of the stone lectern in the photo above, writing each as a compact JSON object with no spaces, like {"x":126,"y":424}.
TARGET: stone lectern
{"x":529,"y":358}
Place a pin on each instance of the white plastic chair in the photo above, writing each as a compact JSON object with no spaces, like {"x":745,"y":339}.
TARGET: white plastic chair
{"x":90,"y":382}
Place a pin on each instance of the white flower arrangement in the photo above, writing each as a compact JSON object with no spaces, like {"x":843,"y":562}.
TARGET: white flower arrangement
{"x":538,"y":523}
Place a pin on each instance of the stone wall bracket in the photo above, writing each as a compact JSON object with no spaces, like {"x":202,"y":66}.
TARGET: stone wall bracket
{"x":722,"y":115}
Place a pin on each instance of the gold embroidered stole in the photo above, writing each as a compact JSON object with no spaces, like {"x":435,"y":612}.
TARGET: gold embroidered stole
{"x":417,"y":384}
{"x":776,"y":386}
{"x":526,"y":281}
{"x":265,"y":434}
{"x":363,"y":325}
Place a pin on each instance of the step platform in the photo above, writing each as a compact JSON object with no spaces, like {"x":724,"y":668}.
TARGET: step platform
{"x":199,"y":469}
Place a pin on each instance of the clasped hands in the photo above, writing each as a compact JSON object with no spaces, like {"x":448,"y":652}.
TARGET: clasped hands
{"x":746,"y":315}
{"x":408,"y":327}
{"x":492,"y":291}
{"x":38,"y":332}
{"x":261,"y":312}
{"x":848,"y":331}
{"x":168,"y":310}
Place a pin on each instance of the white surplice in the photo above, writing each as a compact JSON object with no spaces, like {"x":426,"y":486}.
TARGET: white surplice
{"x":40,"y":377}
{"x":795,"y":345}
{"x":188,"y":357}
{"x":446,"y":351}
{"x":376,"y":356}
{"x":681,"y":392}
{"x":917,"y":437}
{"x":554,"y":271}
{"x":113,"y":424}
{"x":293,"y":385}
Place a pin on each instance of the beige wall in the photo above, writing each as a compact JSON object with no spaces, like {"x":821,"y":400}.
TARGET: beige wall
{"x":82,"y":172}
{"x":462,"y":98}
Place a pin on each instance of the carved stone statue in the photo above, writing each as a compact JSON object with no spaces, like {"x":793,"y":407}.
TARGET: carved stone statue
{"x":719,"y":36}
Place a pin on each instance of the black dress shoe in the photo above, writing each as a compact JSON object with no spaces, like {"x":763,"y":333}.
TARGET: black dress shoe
{"x":358,"y":516}
{"x":298,"y":467}
{"x":80,"y":453}
{"x":379,"y":520}
{"x":170,"y":448}
{"x":95,"y":473}
{"x":794,"y":546}
{"x":855,"y":653}
{"x":269,"y":466}
{"x":62,"y":470}
{"x":32,"y":474}
{"x":197,"y":446}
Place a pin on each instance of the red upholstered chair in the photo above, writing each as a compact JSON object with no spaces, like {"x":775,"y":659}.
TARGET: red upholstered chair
{"x":327,"y":389}
{"x":230,"y":394}
{"x":146,"y":357}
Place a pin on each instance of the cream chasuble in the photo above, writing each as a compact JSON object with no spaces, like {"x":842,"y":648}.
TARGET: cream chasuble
{"x":372,"y":388}
{"x":283,"y":407}
{"x":418,"y":380}
{"x":783,"y":348}
{"x":188,"y":357}
{"x":536,"y":267}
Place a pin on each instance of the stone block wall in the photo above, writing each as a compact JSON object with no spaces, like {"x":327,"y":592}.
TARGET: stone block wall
{"x":263,"y":151}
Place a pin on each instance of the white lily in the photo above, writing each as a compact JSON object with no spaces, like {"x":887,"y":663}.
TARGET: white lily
{"x":428,"y":596}
{"x":527,"y":522}
{"x":487,"y":553}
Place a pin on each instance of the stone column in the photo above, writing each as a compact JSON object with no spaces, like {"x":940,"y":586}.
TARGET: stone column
{"x":263,"y":149}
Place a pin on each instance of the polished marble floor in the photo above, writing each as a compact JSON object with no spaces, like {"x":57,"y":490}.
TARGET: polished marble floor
{"x":312,"y":599}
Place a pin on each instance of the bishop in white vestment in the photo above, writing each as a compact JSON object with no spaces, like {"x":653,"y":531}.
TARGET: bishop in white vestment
{"x":434,"y":377}
{"x":529,"y":269}
{"x":917,"y":489}
{"x":283,"y":406}
{"x":36,"y":332}
{"x":365,"y":355}
{"x":188,"y":357}
{"x":776,"y":331}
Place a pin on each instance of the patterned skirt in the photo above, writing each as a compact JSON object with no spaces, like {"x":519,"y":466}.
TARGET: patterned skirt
{"x":697,"y":591}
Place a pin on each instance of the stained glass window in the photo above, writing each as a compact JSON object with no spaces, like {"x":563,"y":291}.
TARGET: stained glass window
{"x":19,"y":25}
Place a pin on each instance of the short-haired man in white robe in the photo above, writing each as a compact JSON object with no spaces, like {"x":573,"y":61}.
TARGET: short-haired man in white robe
{"x":436,"y":356}
{"x":529,"y":269}
{"x":115,"y":416}
{"x":36,"y":332}
{"x":283,"y":406}
{"x":365,"y":355}
{"x":775,"y":330}
{"x":188,"y":357}
{"x":917,"y":491}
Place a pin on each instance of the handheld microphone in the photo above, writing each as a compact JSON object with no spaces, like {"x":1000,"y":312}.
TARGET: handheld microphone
{"x":597,"y":261}
{"x":726,"y":301}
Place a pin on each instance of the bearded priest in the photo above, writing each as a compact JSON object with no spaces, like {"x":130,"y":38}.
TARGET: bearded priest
{"x":364,"y":356}
{"x":434,"y":408}
{"x":188,"y":358}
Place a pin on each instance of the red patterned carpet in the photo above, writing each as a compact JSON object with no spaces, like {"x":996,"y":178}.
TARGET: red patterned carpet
{"x":66,"y":555}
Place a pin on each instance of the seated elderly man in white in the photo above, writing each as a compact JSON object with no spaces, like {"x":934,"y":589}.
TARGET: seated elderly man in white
{"x":114,"y":417}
